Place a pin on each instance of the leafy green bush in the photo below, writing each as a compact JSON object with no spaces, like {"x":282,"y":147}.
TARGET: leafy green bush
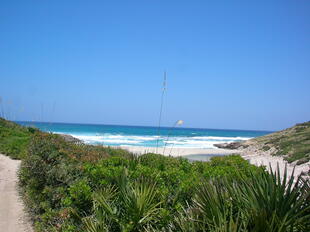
{"x":262,"y":202}
{"x":127,"y":206}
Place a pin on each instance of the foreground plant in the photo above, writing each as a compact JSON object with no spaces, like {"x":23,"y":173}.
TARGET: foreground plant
{"x":275,"y":203}
{"x":262,"y":203}
{"x":125,"y":207}
{"x":212,"y":209}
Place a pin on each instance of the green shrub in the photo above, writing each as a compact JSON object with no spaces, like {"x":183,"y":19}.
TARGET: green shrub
{"x":14,"y":139}
{"x":79,"y":196}
{"x":266,"y":148}
{"x":126,"y":206}
{"x":262,"y":202}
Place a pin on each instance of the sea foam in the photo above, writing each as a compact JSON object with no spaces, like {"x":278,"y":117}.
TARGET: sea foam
{"x":151,"y":141}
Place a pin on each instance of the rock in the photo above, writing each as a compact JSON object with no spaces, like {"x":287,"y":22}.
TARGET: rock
{"x":231,"y":146}
{"x":302,"y":161}
{"x":70,"y":138}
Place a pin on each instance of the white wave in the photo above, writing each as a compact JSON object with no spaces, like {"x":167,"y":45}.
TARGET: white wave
{"x":151,"y":140}
{"x":120,"y":141}
{"x":88,"y":138}
{"x":220,"y":138}
{"x":133,"y":137}
{"x":202,"y":142}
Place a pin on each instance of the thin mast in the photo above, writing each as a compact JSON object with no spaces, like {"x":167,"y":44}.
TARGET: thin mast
{"x":161,"y":109}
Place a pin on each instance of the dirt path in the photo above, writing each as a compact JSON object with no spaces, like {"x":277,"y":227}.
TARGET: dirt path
{"x":12,"y":216}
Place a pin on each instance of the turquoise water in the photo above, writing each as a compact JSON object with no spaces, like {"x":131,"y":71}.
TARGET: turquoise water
{"x":116,"y":135}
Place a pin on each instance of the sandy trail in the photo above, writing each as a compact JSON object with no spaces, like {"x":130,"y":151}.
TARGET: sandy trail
{"x":12,"y":215}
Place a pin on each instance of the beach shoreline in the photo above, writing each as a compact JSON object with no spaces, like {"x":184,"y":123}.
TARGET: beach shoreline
{"x":178,"y":152}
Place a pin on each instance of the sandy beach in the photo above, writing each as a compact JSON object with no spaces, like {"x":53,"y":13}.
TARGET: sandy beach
{"x":175,"y":152}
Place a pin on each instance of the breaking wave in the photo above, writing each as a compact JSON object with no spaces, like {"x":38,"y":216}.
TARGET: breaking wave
{"x":151,"y":140}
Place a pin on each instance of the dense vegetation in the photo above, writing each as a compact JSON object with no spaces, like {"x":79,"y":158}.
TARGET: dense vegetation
{"x":77,"y":187}
{"x":292,"y":143}
{"x":63,"y":181}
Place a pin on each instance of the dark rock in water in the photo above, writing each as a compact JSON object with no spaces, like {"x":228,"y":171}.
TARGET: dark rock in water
{"x":231,"y":146}
{"x":70,"y":138}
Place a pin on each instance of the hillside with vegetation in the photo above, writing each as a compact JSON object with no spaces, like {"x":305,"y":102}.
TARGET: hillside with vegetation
{"x":72,"y":187}
{"x":14,"y":139}
{"x":293,"y":143}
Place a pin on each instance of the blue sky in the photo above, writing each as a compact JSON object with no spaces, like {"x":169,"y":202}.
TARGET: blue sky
{"x":230,"y":64}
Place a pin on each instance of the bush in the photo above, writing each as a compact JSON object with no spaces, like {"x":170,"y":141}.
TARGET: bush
{"x":262,"y":202}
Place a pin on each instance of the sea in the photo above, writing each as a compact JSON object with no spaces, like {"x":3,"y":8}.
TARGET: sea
{"x":147,"y":136}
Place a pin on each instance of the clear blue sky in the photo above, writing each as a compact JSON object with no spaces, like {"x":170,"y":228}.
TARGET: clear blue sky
{"x":230,"y":64}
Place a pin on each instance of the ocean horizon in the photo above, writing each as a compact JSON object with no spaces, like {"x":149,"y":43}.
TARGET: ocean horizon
{"x":146,"y":136}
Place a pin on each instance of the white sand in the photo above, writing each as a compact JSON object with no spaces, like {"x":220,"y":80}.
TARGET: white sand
{"x":12,"y":215}
{"x":175,"y":152}
{"x":259,"y":157}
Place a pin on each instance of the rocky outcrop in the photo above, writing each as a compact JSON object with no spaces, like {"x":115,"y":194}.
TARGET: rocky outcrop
{"x":70,"y":138}
{"x":230,"y":146}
